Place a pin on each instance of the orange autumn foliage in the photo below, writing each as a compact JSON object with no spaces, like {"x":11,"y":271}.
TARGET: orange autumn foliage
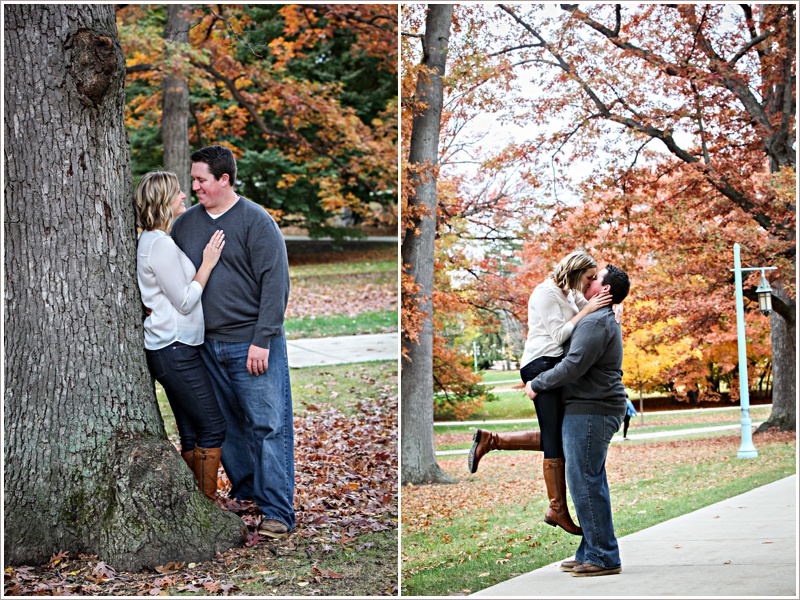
{"x":239,"y":86}
{"x":651,"y":164}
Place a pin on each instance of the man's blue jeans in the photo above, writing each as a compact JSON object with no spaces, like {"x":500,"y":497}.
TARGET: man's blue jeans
{"x":586,"y":439}
{"x":258,"y":453}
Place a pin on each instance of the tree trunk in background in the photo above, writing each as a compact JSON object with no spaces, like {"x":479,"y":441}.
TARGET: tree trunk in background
{"x":88,"y":467}
{"x":784,"y":369}
{"x":175,"y":108}
{"x":418,"y":463}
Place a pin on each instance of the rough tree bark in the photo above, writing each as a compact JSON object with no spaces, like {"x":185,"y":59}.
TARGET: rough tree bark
{"x":418,"y":463}
{"x":784,"y":371}
{"x":175,"y":105}
{"x":88,"y":467}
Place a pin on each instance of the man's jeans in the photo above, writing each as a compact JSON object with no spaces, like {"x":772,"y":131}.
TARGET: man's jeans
{"x":258,"y":453}
{"x":586,"y":439}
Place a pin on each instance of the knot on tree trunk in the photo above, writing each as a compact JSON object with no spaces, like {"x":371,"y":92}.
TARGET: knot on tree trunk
{"x":92,"y":64}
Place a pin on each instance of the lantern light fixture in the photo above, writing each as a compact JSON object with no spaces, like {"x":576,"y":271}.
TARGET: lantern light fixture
{"x":764,"y":292}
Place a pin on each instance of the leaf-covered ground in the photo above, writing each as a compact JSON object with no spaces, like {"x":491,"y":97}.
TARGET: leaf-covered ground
{"x":344,"y":283}
{"x":367,"y":252}
{"x":345,"y":294}
{"x":504,"y":477}
{"x":345,"y":541}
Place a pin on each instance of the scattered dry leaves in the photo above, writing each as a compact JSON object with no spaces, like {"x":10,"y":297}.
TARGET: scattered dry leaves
{"x":346,"y":486}
{"x":347,"y":294}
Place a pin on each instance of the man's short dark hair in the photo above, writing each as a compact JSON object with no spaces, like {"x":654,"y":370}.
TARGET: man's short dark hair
{"x":219,"y":159}
{"x":619,"y":282}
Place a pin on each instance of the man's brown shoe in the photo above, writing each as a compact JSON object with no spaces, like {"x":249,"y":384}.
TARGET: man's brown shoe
{"x":568,"y":565}
{"x":273,"y":528}
{"x":590,"y":570}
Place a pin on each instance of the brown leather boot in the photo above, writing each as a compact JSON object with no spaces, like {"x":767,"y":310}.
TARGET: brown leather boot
{"x":188,"y":458}
{"x":485,"y":441}
{"x":206,"y":465}
{"x":556,"y":482}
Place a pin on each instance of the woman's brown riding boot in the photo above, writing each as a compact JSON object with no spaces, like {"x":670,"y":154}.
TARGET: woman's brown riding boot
{"x":556,"y":482}
{"x":484,"y":441}
{"x":206,"y":465}
{"x":188,"y":458}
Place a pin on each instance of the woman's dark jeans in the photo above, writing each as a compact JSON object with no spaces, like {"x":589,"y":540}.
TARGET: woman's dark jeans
{"x":549,"y":407}
{"x":180,"y":370}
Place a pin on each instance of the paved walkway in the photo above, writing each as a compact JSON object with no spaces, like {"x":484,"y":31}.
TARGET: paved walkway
{"x":341,"y":350}
{"x":743,"y":546}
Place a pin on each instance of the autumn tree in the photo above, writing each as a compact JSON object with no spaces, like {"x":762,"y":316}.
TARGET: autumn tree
{"x":697,"y":102}
{"x":418,"y":463}
{"x":668,"y":131}
{"x":305,"y":95}
{"x":479,"y":203}
{"x":88,"y":467}
{"x":649,"y":355}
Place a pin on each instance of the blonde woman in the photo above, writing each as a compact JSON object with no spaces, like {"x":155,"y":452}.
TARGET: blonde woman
{"x":173,"y":330}
{"x":554,"y":308}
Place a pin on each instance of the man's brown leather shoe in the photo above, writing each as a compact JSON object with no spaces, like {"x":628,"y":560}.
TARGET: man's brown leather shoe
{"x":568,"y":565}
{"x":590,"y":570}
{"x":273,"y":528}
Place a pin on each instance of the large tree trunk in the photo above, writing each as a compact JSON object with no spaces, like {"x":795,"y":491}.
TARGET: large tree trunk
{"x":88,"y":467}
{"x":784,"y":368}
{"x":419,"y":464}
{"x":175,"y":90}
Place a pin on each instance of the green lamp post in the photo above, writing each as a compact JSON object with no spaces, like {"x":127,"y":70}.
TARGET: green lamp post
{"x":764,"y":291}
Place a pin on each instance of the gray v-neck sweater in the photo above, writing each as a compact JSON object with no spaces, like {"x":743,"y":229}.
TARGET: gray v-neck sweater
{"x":591,"y":371}
{"x":246,"y":295}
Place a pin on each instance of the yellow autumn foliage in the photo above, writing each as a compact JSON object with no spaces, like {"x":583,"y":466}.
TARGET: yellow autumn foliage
{"x":649,"y":354}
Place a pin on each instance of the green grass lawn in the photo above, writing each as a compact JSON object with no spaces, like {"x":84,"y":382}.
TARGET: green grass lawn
{"x":343,"y":268}
{"x":345,"y":283}
{"x":342,"y":386}
{"x":511,"y":405}
{"x":500,"y":376}
{"x":365,"y":567}
{"x":337,"y":325}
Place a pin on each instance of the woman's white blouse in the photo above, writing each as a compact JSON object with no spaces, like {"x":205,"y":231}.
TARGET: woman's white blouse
{"x":549,"y":312}
{"x":165,"y":280}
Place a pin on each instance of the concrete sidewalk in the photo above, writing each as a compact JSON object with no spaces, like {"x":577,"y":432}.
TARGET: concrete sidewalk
{"x":341,"y":350}
{"x":744,"y":546}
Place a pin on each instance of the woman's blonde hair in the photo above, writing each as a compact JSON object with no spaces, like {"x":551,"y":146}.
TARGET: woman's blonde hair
{"x":567,"y":274}
{"x":154,"y":194}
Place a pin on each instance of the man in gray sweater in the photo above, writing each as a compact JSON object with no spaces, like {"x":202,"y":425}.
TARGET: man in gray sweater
{"x":594,"y":406}
{"x":245,"y":349}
